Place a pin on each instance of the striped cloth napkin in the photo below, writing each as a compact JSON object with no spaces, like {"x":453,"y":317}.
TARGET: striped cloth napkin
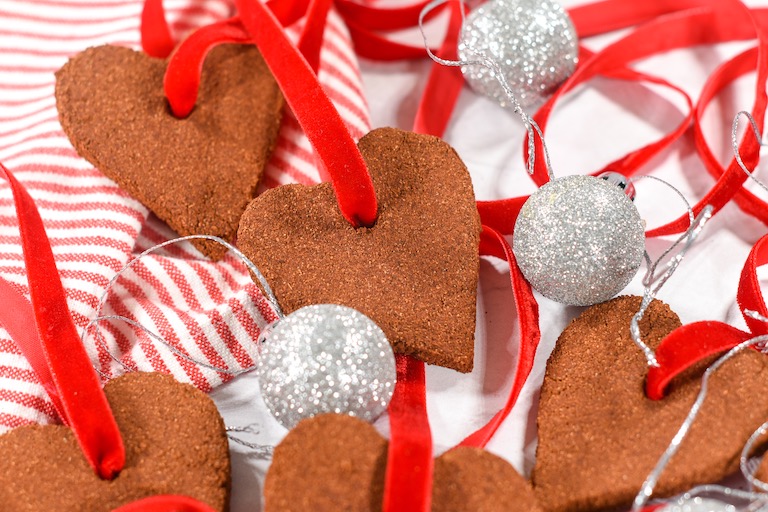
{"x":209,"y":310}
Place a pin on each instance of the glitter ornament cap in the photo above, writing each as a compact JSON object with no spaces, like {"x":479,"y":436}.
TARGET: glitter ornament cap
{"x":533,"y":43}
{"x":579,"y":240}
{"x":326,"y":358}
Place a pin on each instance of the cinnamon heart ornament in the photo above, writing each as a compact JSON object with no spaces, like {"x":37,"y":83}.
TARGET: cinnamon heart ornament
{"x":600,"y":436}
{"x":197,"y":174}
{"x":334,"y":462}
{"x":414,"y":272}
{"x":175,"y":444}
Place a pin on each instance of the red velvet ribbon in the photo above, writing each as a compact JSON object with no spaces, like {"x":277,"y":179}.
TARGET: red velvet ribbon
{"x":444,"y":83}
{"x":314,"y":111}
{"x":156,"y":38}
{"x":57,"y":353}
{"x":493,"y":243}
{"x":166,"y":503}
{"x":691,"y":343}
{"x":676,"y":30}
{"x":183,"y":75}
{"x":723,"y":76}
{"x":18,"y":318}
{"x":317,"y":116}
{"x":408,"y":481}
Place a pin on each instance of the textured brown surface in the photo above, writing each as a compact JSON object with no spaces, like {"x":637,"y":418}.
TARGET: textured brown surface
{"x":327,"y":463}
{"x":196,"y":174}
{"x":414,"y":273}
{"x":333,"y":463}
{"x":599,"y":436}
{"x":474,"y":479}
{"x":175,"y":444}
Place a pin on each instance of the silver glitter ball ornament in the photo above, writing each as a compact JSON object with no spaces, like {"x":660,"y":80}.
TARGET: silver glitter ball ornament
{"x":533,"y":43}
{"x":326,"y":358}
{"x":579,"y":240}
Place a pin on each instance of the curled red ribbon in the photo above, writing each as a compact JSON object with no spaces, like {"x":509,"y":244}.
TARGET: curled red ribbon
{"x":691,"y":343}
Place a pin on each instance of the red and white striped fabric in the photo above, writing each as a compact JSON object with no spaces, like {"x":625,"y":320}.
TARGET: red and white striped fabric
{"x":212,"y":311}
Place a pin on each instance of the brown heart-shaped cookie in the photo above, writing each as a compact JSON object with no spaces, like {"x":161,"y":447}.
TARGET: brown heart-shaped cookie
{"x":197,"y":174}
{"x":175,"y":443}
{"x":474,"y":479}
{"x":334,"y":462}
{"x":414,"y":272}
{"x":600,"y":436}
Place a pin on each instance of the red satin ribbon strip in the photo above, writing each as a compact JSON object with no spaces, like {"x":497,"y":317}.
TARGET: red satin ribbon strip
{"x":691,"y":343}
{"x":602,"y":17}
{"x":311,"y":39}
{"x":686,"y":346}
{"x":84,"y":406}
{"x":729,"y":180}
{"x":408,"y":482}
{"x":183,"y":75}
{"x":166,"y":503}
{"x":385,"y":19}
{"x":749,"y":295}
{"x":18,"y":318}
{"x":444,"y":83}
{"x":493,"y":243}
{"x":317,"y":116}
{"x":156,"y":38}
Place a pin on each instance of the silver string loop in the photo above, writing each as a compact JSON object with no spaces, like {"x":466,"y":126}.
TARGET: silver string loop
{"x":735,"y":144}
{"x":531,"y":126}
{"x":656,"y":278}
{"x":260,"y":451}
{"x":269,"y":295}
{"x":646,"y":490}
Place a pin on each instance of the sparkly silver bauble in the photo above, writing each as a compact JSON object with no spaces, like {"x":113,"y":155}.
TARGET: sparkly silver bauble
{"x":326,"y":358}
{"x":579,"y":240}
{"x":533,"y":43}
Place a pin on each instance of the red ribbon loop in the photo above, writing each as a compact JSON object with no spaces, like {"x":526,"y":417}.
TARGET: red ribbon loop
{"x":729,"y":181}
{"x":317,"y":116}
{"x":686,"y":346}
{"x":493,"y":243}
{"x":689,"y":344}
{"x":183,"y":75}
{"x":314,"y":111}
{"x":69,"y":370}
{"x":156,"y":38}
{"x":749,"y":296}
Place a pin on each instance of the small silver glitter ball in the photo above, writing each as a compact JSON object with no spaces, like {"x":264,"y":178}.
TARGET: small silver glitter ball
{"x":579,"y":240}
{"x":326,"y":358}
{"x":533,"y":42}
